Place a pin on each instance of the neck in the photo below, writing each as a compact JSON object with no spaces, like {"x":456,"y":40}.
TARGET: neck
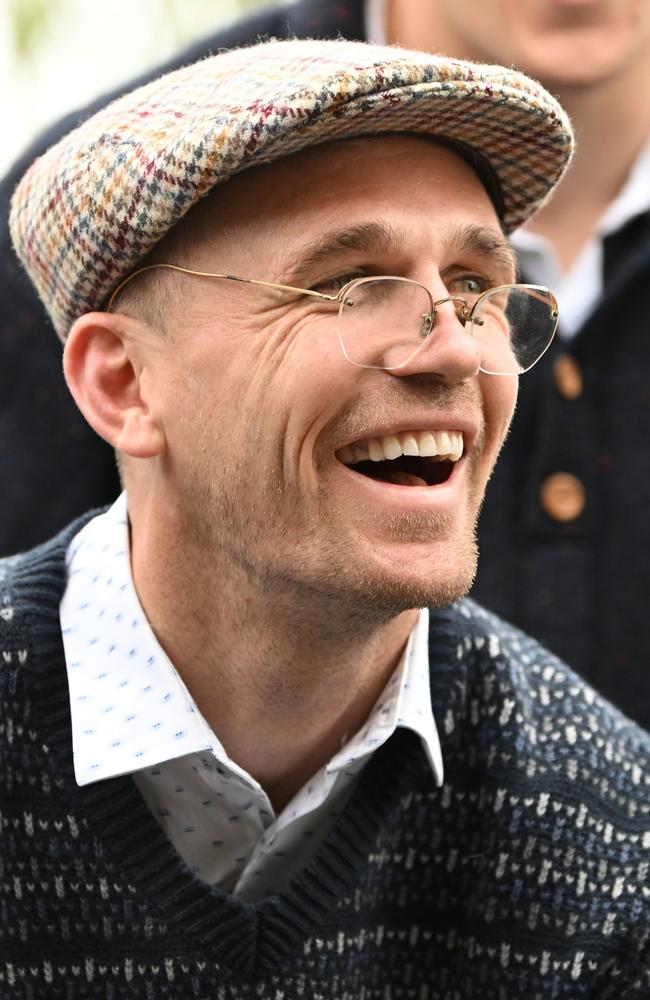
{"x":610,"y":129}
{"x":282,"y":678}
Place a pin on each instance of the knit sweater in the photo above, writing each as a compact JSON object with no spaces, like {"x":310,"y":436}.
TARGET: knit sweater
{"x":525,"y":875}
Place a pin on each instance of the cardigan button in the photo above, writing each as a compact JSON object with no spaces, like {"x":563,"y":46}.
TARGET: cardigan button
{"x":568,"y":376}
{"x":563,"y":496}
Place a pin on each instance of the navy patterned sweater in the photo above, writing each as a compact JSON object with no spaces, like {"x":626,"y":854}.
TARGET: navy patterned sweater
{"x":524,"y":876}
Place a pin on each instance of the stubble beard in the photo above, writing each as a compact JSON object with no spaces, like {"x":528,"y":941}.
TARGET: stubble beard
{"x":258,"y":535}
{"x":309,"y":577}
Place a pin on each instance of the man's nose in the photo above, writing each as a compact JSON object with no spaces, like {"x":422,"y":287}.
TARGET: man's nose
{"x":450,"y":351}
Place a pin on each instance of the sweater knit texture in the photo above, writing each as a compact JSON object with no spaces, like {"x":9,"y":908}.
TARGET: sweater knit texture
{"x":525,"y":875}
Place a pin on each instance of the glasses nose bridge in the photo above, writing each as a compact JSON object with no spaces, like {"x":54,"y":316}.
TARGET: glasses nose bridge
{"x":461,"y":308}
{"x":455,"y":357}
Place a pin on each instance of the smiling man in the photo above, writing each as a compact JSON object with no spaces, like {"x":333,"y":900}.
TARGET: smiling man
{"x":564,"y":530}
{"x":250,"y":744}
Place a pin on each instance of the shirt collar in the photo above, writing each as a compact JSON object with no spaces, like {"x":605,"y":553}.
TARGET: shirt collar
{"x":374,"y":16}
{"x":129,"y":706}
{"x":633,"y":198}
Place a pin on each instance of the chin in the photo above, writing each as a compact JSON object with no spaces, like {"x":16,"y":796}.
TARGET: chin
{"x":568,"y":70}
{"x":432,"y":584}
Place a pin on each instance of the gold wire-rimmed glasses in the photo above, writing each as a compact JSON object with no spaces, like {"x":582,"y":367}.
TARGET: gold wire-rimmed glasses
{"x":384,"y":321}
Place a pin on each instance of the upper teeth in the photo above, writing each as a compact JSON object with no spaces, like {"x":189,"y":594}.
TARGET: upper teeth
{"x":443,"y":445}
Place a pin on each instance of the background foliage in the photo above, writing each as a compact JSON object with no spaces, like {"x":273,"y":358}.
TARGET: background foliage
{"x":56,"y":55}
{"x":31,"y":21}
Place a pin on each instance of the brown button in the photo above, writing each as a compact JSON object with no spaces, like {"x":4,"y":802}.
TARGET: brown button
{"x":563,"y":496}
{"x":568,"y":377}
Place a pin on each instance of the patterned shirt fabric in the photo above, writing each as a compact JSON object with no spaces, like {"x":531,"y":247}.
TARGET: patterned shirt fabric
{"x":524,"y":875}
{"x":131,"y":712}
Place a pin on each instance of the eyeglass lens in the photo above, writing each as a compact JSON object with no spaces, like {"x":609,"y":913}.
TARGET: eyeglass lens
{"x":384,"y":322}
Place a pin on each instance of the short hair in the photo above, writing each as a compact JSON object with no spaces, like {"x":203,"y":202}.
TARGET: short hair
{"x":152,"y":295}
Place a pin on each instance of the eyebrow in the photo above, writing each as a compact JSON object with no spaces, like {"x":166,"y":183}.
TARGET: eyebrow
{"x":482,"y":239}
{"x":376,"y":236}
{"x":380,"y":236}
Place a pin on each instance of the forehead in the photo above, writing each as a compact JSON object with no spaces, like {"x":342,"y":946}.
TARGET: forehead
{"x":420,"y":187}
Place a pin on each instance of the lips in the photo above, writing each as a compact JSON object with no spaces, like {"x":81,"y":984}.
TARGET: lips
{"x":407,"y":458}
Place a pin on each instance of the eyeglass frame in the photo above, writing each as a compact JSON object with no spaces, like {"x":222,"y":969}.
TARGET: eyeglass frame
{"x":461,"y":307}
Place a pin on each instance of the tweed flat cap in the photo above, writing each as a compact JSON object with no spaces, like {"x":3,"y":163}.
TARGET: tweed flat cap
{"x":87,"y":212}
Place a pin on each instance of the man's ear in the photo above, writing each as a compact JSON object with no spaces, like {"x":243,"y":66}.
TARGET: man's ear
{"x":104,"y":368}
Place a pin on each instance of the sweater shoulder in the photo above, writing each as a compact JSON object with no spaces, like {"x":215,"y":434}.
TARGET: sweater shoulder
{"x":545,"y":711}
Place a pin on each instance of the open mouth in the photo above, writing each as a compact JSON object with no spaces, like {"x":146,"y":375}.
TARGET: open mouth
{"x":410,"y":458}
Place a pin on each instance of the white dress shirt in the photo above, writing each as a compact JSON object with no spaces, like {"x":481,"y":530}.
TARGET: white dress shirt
{"x":578,"y":290}
{"x":132,"y":713}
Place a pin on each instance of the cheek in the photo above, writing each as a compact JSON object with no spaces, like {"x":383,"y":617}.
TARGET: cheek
{"x":266,"y":388}
{"x":499,"y":400}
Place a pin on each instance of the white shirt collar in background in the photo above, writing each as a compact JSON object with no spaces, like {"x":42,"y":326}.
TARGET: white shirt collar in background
{"x":579,"y":289}
{"x":374,"y":16}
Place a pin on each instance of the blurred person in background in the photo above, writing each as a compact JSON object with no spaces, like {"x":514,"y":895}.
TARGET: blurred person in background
{"x":564,"y":535}
{"x":287,"y":299}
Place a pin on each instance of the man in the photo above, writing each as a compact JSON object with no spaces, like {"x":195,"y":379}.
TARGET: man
{"x":564,"y":534}
{"x":226,"y":721}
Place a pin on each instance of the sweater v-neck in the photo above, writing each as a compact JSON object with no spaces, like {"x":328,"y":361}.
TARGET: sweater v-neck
{"x":241,"y":936}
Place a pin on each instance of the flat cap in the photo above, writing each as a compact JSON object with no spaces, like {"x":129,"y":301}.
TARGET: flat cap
{"x":89,"y":210}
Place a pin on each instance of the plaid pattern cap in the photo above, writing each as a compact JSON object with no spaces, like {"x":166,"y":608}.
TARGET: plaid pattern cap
{"x":87,"y":212}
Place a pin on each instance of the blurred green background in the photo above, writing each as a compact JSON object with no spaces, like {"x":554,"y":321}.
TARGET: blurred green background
{"x":57,"y":55}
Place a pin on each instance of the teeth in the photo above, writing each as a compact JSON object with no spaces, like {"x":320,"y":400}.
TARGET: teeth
{"x":442,"y":445}
{"x":428,"y":445}
{"x":392,"y":447}
{"x":444,"y":442}
{"x":409,"y":445}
